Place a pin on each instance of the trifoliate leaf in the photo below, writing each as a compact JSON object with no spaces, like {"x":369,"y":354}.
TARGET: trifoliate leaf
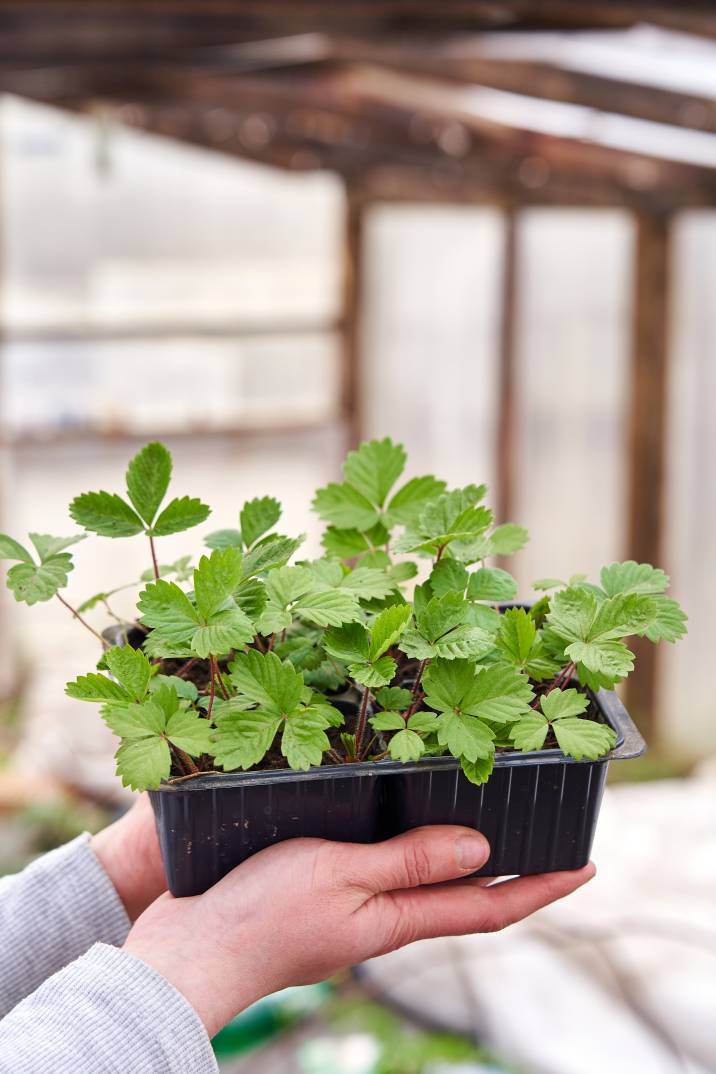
{"x":105,"y":513}
{"x":169,"y":612}
{"x":215,"y":580}
{"x":406,"y":505}
{"x":592,"y":628}
{"x":257,"y":517}
{"x":670,"y":621}
{"x":465,"y":736}
{"x":406,"y":745}
{"x":242,"y":739}
{"x":143,"y":763}
{"x":451,"y":517}
{"x":12,"y":549}
{"x":441,"y":630}
{"x":131,"y":669}
{"x":264,"y":679}
{"x":273,"y":551}
{"x":374,"y":468}
{"x":530,"y":732}
{"x":148,"y":476}
{"x":224,"y":539}
{"x":345,"y":507}
{"x":304,"y":739}
{"x":632,"y":577}
{"x":560,"y":703}
{"x":478,"y":771}
{"x":47,"y":547}
{"x":32,"y":584}
{"x":498,"y":694}
{"x":387,"y":721}
{"x":583,"y":738}
{"x":448,"y":576}
{"x":96,"y":687}
{"x":394,"y":698}
{"x":180,"y":514}
{"x":491,"y":583}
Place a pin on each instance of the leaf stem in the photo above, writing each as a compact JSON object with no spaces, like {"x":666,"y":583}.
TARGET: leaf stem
{"x":186,"y":668}
{"x":222,"y":684}
{"x":416,"y":688}
{"x":335,"y":756}
{"x":362,"y":715}
{"x":183,"y":759}
{"x":154,"y":556}
{"x":212,"y":688}
{"x":76,"y":615}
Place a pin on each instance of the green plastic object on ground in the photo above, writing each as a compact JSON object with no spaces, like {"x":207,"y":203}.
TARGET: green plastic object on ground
{"x":268,"y":1017}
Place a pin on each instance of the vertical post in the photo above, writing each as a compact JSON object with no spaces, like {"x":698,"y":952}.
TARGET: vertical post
{"x":506,"y":432}
{"x":647,"y":434}
{"x":351,"y":381}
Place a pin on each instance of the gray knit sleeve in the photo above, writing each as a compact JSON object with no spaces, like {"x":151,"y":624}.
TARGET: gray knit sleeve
{"x":107,"y":1013}
{"x":51,"y":913}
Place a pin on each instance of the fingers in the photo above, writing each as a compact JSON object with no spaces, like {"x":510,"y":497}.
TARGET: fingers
{"x":422,"y":856}
{"x":467,"y":906}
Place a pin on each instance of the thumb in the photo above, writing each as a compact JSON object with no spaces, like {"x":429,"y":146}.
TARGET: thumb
{"x":421,"y":856}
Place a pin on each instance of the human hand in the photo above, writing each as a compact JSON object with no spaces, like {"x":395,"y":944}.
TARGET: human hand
{"x":129,"y":852}
{"x":303,"y":909}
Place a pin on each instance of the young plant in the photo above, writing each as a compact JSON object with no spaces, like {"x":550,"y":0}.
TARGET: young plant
{"x":248,"y":660}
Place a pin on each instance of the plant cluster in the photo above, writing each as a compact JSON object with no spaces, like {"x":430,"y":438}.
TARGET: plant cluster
{"x":248,"y":659}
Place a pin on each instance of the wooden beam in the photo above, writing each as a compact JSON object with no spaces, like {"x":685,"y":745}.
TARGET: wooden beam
{"x":506,"y":432}
{"x":648,"y":436}
{"x":351,"y":365}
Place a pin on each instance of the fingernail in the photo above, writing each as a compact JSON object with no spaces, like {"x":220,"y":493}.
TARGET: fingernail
{"x":471,"y":851}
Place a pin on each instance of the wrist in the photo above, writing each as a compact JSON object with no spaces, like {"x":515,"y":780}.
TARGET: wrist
{"x":128,"y":851}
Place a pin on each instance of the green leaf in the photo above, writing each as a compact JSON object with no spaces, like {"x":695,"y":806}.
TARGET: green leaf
{"x":12,"y":549}
{"x":242,"y":739}
{"x":32,"y":583}
{"x":448,"y":576}
{"x":169,"y":612}
{"x":190,"y":732}
{"x":401,"y":572}
{"x":180,"y":514}
{"x":304,"y":739}
{"x":264,"y":679}
{"x":491,"y":583}
{"x":591,"y":628}
{"x":47,"y":547}
{"x":345,"y":507}
{"x":406,"y":505}
{"x":465,"y":736}
{"x":148,"y":476}
{"x":250,"y":596}
{"x":451,"y":517}
{"x":442,"y":631}
{"x":498,"y":694}
{"x":257,"y":517}
{"x":406,"y":745}
{"x":632,"y":577}
{"x":548,"y":583}
{"x":530,"y":732}
{"x":478,"y":771}
{"x":331,"y":716}
{"x":394,"y":698}
{"x":329,"y":607}
{"x":374,"y":468}
{"x":345,"y":543}
{"x":387,"y":721}
{"x":143,"y":763}
{"x":131,"y":720}
{"x":131,"y":669}
{"x":670,"y":621}
{"x":349,"y":643}
{"x":184,"y":687}
{"x":424,"y":722}
{"x":105,"y":513}
{"x":215,"y":580}
{"x":610,"y":658}
{"x":367,"y":583}
{"x":516,"y":635}
{"x":274,"y":551}
{"x":387,"y":628}
{"x":583,"y":738}
{"x":374,"y":673}
{"x":224,"y":539}
{"x":507,"y":538}
{"x":229,"y":628}
{"x":558,"y":704}
{"x":96,"y":687}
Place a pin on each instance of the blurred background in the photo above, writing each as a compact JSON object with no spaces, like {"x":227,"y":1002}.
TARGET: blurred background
{"x":262,"y":233}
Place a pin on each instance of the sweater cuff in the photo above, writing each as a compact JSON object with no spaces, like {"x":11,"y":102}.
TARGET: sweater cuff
{"x":110,"y":1012}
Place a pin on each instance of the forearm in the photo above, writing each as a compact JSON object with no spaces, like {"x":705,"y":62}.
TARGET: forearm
{"x":51,"y":913}
{"x":107,"y":1012}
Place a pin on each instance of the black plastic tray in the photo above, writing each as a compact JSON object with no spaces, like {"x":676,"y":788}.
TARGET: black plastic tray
{"x":538,"y":810}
